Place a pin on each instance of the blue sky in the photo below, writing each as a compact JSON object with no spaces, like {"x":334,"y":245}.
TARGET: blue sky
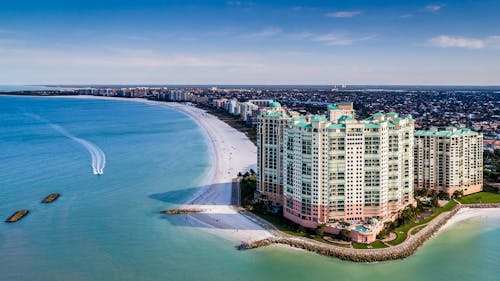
{"x":250,"y":42}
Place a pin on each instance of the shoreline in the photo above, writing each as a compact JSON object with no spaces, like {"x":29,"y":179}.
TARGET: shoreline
{"x":214,"y":196}
{"x":466,"y":213}
{"x":230,"y":151}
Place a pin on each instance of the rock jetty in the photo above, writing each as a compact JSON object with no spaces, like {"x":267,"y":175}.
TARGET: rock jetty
{"x":403,"y":250}
{"x":51,"y":198}
{"x":181,"y":211}
{"x":17,"y":216}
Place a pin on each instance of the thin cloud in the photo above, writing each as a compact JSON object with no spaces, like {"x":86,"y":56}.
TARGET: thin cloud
{"x":265,"y":33}
{"x":433,"y":8}
{"x":333,"y":39}
{"x":239,"y":3}
{"x":406,"y":16}
{"x":445,"y":41}
{"x":303,"y":8}
{"x":344,"y":14}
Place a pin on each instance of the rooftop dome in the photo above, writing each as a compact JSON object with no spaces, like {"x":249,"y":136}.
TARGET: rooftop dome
{"x":275,"y":104}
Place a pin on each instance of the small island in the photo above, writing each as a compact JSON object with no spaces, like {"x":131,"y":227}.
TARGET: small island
{"x":17,"y":216}
{"x":51,"y":198}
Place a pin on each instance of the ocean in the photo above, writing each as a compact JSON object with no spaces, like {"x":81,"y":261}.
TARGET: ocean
{"x":108,"y":227}
{"x":11,"y":88}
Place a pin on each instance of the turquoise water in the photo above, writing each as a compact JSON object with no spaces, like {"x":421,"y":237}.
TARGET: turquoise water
{"x":108,"y":228}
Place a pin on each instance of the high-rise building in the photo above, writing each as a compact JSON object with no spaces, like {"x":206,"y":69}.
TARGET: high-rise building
{"x":270,"y":124}
{"x":327,"y":170}
{"x":449,"y":159}
{"x":351,"y":170}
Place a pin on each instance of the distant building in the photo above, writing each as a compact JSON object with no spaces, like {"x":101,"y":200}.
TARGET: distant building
{"x":449,"y":159}
{"x":220,"y":103}
{"x":491,"y":145}
{"x":232,"y":107}
{"x":246,"y":109}
{"x":335,"y":111}
{"x":261,"y":103}
{"x":179,"y":95}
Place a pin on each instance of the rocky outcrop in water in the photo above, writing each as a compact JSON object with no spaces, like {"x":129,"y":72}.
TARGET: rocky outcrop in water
{"x":51,"y":198}
{"x":17,"y":216}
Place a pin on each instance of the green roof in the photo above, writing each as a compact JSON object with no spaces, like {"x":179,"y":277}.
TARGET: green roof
{"x":317,"y":118}
{"x":303,"y":125}
{"x":378,"y":114}
{"x":333,"y":107}
{"x":298,"y":118}
{"x":461,"y":132}
{"x":372,"y":125}
{"x":344,"y":118}
{"x":336,"y":126}
{"x":273,"y":114}
{"x":275,"y":104}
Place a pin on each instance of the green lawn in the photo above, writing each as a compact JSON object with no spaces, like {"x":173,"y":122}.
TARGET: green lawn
{"x":402,"y":231}
{"x":375,"y":245}
{"x":481,"y":197}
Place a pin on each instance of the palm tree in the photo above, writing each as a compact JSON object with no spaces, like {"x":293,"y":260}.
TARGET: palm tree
{"x":432,"y":193}
{"x":458,"y":194}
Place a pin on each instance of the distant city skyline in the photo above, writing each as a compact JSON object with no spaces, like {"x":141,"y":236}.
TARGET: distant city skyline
{"x":250,"y":42}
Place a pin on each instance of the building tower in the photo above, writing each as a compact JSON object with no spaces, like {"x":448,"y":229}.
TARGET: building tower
{"x":449,"y":160}
{"x":270,"y":124}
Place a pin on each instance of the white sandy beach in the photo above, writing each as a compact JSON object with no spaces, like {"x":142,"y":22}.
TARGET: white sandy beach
{"x":232,"y":152}
{"x":468,"y":213}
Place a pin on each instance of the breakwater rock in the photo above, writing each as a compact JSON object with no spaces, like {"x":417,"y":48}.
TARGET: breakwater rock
{"x":181,"y":211}
{"x":17,"y":216}
{"x":403,"y":250}
{"x":51,"y":198}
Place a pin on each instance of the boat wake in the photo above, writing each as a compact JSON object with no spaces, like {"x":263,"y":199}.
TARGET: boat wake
{"x":98,"y":157}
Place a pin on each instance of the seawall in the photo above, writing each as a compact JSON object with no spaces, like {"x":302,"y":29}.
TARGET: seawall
{"x":403,"y":250}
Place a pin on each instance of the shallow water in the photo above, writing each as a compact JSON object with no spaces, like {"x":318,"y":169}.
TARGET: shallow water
{"x":108,"y":228}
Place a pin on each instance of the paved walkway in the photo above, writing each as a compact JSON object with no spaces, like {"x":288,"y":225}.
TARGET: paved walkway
{"x":235,"y":192}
